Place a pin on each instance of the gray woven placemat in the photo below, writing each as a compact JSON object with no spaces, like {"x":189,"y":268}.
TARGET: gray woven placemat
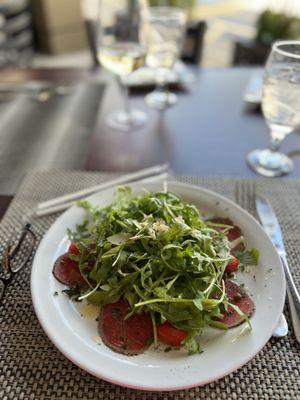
{"x":32,"y":368}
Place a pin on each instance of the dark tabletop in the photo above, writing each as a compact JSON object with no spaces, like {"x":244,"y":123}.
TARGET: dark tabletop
{"x":209,"y":132}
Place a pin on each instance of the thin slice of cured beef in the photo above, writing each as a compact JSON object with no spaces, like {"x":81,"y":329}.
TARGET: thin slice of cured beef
{"x":232,"y":234}
{"x":237,"y":297}
{"x":129,"y":336}
{"x":67,"y":272}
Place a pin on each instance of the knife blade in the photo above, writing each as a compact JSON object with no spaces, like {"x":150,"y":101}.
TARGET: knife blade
{"x":271,"y":225}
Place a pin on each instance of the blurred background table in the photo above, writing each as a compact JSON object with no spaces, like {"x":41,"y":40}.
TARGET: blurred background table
{"x":209,"y":132}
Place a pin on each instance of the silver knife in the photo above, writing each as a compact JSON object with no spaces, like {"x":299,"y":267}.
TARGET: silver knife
{"x":271,"y":225}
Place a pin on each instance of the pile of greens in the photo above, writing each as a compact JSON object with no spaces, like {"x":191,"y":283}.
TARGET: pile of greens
{"x":160,"y":255}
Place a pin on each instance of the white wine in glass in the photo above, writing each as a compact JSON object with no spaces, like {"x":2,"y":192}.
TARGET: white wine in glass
{"x":122,"y":58}
{"x":281,"y":107}
{"x":120,"y":52}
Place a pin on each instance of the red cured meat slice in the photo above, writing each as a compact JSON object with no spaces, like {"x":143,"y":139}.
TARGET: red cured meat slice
{"x":131,"y":336}
{"x":67,"y":272}
{"x":239,"y":298}
{"x":73,"y":248}
{"x":232,"y":234}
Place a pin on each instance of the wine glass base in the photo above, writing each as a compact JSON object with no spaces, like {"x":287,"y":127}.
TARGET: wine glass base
{"x":160,"y":100}
{"x":269,"y":163}
{"x":123,"y":121}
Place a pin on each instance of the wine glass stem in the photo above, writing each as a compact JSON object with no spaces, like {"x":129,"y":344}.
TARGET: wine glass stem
{"x":275,"y":144}
{"x":162,"y":87}
{"x":276,"y":140}
{"x":161,"y":84}
{"x":124,"y":89}
{"x":127,"y":106}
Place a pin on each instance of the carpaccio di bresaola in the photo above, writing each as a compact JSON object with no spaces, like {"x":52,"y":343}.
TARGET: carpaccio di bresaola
{"x":134,"y":334}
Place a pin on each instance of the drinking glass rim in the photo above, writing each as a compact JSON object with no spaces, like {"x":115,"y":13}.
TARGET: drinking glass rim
{"x":275,"y":47}
{"x":159,"y":12}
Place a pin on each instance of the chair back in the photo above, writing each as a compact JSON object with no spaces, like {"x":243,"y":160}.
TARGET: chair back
{"x":16,"y":35}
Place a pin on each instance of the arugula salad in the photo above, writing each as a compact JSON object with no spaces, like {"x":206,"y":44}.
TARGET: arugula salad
{"x":158,"y":271}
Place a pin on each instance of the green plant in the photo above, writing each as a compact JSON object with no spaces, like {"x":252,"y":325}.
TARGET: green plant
{"x":272,"y":26}
{"x":188,"y":4}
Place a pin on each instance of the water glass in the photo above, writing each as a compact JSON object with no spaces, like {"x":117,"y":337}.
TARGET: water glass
{"x":162,"y":33}
{"x":280,"y":106}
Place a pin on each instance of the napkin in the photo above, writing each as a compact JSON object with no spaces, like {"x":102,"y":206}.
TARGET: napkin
{"x":179,"y":78}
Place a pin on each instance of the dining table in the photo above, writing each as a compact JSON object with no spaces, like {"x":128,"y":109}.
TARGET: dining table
{"x":55,"y":147}
{"x":209,"y":132}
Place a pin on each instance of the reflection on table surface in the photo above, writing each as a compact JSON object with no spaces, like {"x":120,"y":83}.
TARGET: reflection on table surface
{"x":209,"y":132}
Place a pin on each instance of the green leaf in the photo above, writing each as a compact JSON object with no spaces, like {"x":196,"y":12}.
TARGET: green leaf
{"x":198,"y":304}
{"x":119,"y":238}
{"x":218,"y":325}
{"x":248,"y":257}
{"x":192,"y":344}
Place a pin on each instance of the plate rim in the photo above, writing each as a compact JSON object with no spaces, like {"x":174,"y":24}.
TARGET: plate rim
{"x":54,"y":339}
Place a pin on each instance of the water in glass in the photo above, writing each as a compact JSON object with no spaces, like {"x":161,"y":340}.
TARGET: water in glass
{"x":281,"y":107}
{"x":281,"y":99}
{"x":162,"y":34}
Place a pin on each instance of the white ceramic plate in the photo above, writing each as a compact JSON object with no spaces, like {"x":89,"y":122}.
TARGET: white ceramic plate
{"x":223,"y":353}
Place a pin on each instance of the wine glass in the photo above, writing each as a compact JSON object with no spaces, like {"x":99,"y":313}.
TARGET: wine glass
{"x":162,"y":33}
{"x":119,"y":51}
{"x":280,"y":105}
